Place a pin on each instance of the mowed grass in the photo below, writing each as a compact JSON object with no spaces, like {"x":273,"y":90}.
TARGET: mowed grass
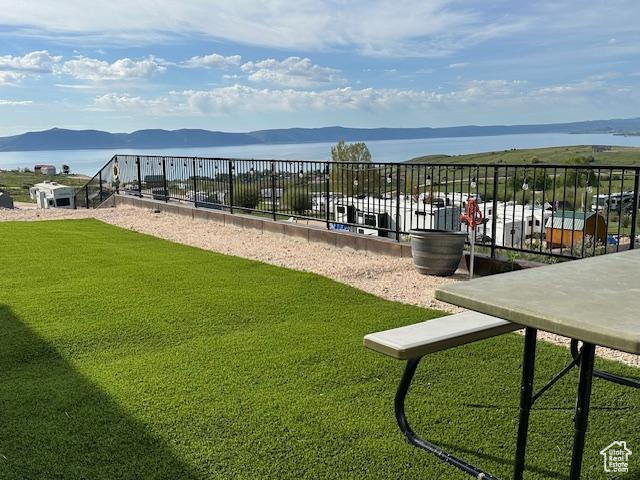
{"x":126,"y":356}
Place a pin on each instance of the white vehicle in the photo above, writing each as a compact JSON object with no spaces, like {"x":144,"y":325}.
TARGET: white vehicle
{"x":267,"y":193}
{"x":378,"y":216}
{"x":533,"y":218}
{"x":615,"y":201}
{"x":53,"y":195}
{"x":514,"y":222}
{"x":458,"y":199}
{"x":319,"y":201}
{"x":509,"y":232}
{"x":369,"y":214}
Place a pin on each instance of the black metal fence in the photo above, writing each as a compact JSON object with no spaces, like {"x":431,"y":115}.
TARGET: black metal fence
{"x":566,"y":211}
{"x":101,"y":186}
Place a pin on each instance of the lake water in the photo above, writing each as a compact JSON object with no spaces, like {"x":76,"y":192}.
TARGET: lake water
{"x":90,"y":161}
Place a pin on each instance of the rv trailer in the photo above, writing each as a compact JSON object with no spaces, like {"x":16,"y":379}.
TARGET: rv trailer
{"x":379,"y":216}
{"x":53,"y":195}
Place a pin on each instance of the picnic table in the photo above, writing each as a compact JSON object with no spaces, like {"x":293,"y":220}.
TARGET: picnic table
{"x":595,"y":301}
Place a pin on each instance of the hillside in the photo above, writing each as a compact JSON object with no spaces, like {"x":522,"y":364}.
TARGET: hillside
{"x":549,"y":155}
{"x":17,"y":183}
{"x":63,"y":139}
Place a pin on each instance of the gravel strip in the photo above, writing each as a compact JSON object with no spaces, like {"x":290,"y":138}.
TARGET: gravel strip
{"x":387,"y":277}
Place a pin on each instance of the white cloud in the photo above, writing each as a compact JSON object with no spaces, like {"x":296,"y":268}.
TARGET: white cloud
{"x":10,"y":78}
{"x":222,"y":100}
{"x":582,"y":87}
{"x":15,"y":103}
{"x":114,"y":101}
{"x":213,"y":60}
{"x":474,"y":96}
{"x":36,"y":62}
{"x":242,"y":98}
{"x":85,"y":68}
{"x":488,"y":89}
{"x":421,"y":28}
{"x":290,"y":72}
{"x":376,"y":27}
{"x":459,"y":65}
{"x":74,"y":86}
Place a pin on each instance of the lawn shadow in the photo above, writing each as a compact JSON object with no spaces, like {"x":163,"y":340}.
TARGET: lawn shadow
{"x":504,"y":461}
{"x":56,"y":423}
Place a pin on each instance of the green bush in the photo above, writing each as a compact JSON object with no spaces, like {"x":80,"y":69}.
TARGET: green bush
{"x":625,"y":221}
{"x":246,"y":199}
{"x":298,"y":201}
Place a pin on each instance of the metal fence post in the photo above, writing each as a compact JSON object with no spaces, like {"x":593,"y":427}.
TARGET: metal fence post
{"x":195,"y":184}
{"x":164,"y":180}
{"x":230,"y":186}
{"x":100,"y":180}
{"x":139,"y":177}
{"x":494,"y":212}
{"x":86,"y":194}
{"x":326,"y":190}
{"x":273,"y":191}
{"x":634,"y":211}
{"x":397,"y":203}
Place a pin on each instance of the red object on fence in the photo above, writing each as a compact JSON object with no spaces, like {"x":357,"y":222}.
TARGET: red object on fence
{"x":473,"y":217}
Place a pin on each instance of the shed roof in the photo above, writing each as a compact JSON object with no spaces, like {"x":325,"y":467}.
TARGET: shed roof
{"x":569,"y":220}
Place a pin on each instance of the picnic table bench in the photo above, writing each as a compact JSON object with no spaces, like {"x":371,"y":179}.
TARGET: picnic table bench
{"x":412,"y":342}
{"x":504,"y":303}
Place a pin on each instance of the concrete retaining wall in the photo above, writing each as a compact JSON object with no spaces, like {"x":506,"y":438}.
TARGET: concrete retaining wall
{"x":311,"y":233}
{"x":484,"y":265}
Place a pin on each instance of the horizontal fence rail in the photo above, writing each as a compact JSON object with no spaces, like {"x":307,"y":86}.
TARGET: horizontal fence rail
{"x":561,"y":211}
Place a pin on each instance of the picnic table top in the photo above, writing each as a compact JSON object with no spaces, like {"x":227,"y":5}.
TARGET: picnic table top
{"x":595,"y":300}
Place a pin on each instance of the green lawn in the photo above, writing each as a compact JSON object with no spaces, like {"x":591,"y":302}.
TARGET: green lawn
{"x":126,"y":356}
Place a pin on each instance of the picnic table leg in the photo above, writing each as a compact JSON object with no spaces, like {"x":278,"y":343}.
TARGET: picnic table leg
{"x":610,"y":377}
{"x":417,"y":441}
{"x":581,"y":418}
{"x":526,"y":399}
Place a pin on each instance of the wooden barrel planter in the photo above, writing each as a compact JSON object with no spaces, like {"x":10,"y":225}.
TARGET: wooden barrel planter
{"x":437,"y":252}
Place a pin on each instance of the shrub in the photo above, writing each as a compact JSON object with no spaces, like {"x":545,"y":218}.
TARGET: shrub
{"x":246,"y":199}
{"x":625,"y":221}
{"x":298,"y":200}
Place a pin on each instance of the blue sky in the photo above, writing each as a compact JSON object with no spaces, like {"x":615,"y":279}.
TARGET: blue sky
{"x":244,"y":65}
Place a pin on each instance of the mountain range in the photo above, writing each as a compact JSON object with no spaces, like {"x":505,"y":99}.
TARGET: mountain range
{"x":63,"y":139}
